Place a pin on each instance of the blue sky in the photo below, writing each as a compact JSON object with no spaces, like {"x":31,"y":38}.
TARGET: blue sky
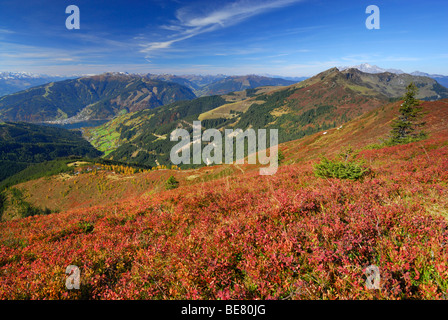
{"x":277,"y":37}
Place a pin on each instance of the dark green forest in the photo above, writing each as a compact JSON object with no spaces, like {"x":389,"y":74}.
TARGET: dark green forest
{"x":24,"y":144}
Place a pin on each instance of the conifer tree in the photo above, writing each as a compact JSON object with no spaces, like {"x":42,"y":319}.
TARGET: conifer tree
{"x":404,"y":128}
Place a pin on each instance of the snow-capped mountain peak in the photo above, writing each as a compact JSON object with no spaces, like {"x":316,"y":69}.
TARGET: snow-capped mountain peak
{"x":21,"y":75}
{"x":368,"y":68}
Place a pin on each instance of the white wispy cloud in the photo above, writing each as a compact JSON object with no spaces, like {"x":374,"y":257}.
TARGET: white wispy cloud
{"x":190,"y":21}
{"x":6,"y":31}
{"x":14,"y":56}
{"x":229,"y":14}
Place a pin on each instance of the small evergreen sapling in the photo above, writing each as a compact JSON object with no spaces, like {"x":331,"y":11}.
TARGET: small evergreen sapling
{"x":171,"y":183}
{"x":346,"y":168}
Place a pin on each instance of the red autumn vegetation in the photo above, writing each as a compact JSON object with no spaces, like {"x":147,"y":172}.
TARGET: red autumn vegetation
{"x":246,"y":236}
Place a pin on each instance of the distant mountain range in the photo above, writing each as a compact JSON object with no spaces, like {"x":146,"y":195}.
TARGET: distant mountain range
{"x":194,"y":82}
{"x":201,"y":85}
{"x":101,"y":97}
{"x":324,"y":101}
{"x":95,"y":97}
{"x":392,"y":84}
{"x":222,"y":84}
{"x":239,"y":83}
{"x":11,"y":82}
{"x":365,"y":67}
{"x":20,"y":75}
